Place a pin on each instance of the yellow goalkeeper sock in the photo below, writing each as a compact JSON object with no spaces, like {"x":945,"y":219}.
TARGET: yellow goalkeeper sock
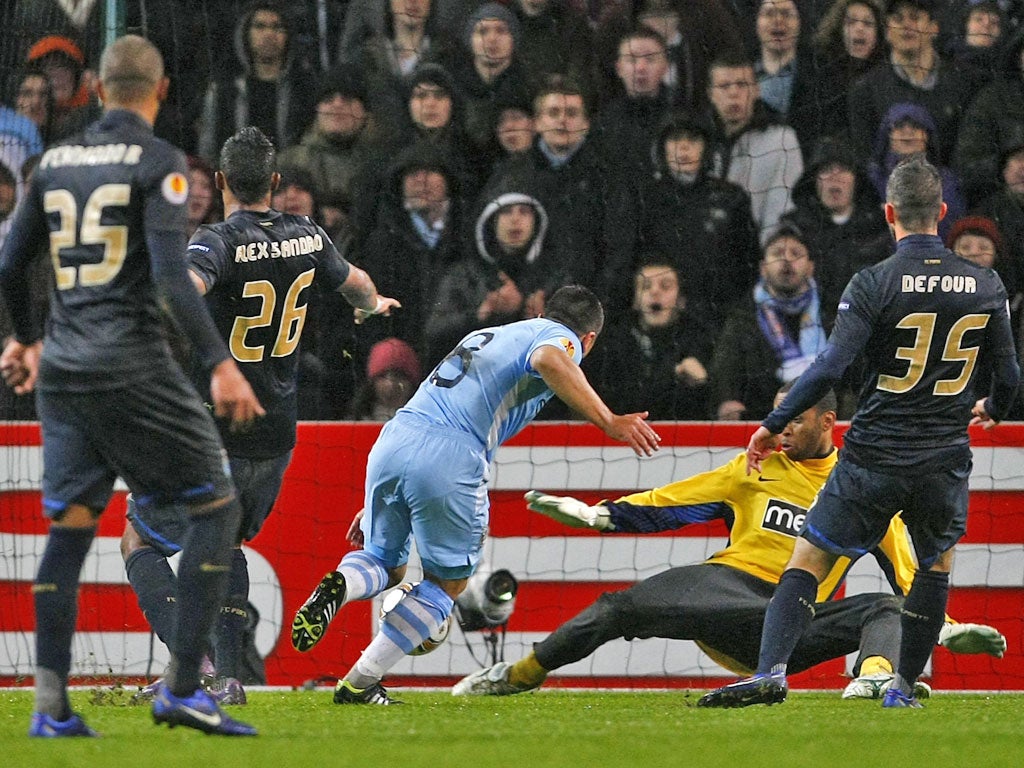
{"x":873,"y":665}
{"x":527,"y":673}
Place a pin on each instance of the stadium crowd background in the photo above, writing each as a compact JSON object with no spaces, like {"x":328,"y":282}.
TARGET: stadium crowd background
{"x":712,"y":168}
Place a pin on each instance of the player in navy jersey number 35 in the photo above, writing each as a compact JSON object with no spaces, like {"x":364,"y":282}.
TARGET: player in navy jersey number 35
{"x":426,"y":476}
{"x":111,"y":400}
{"x":923,"y":319}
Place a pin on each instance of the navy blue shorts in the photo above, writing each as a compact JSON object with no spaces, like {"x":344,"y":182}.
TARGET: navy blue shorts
{"x":156,"y":435}
{"x":258,"y":481}
{"x":853,"y":510}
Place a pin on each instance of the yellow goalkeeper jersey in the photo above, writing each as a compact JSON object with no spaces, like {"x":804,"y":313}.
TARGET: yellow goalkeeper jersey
{"x":763,"y":512}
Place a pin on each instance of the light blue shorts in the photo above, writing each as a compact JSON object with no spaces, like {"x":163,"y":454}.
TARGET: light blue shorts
{"x":426,"y":482}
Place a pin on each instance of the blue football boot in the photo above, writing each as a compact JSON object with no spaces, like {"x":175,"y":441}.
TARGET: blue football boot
{"x":199,"y":711}
{"x":46,"y":727}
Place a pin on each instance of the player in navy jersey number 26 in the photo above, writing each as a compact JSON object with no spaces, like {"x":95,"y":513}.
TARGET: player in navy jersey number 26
{"x":923,"y":319}
{"x":111,"y":400}
{"x":256,"y":270}
{"x":426,"y":476}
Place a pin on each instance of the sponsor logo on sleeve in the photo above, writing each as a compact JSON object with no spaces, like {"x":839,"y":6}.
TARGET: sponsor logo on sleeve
{"x":568,"y":346}
{"x":175,"y":188}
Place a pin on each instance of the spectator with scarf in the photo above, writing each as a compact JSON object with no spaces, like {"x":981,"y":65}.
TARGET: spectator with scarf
{"x":772,"y":338}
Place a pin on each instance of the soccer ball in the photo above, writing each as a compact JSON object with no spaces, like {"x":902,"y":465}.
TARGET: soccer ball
{"x":393,"y":598}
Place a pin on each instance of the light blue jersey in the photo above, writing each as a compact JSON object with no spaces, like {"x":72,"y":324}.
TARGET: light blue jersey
{"x":486,"y":385}
{"x":426,"y":476}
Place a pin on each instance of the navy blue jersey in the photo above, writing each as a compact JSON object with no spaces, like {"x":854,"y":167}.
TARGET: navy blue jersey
{"x":112,"y":201}
{"x":922,"y":319}
{"x":258,"y":268}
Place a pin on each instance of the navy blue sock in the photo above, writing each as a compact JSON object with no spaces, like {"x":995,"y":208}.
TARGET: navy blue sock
{"x":789,"y":613}
{"x":155,"y":587}
{"x":924,"y":612}
{"x":55,"y":592}
{"x":202,"y":584}
{"x":233,"y":618}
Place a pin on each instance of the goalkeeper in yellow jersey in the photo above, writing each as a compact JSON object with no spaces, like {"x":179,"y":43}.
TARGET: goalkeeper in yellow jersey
{"x":720,"y":603}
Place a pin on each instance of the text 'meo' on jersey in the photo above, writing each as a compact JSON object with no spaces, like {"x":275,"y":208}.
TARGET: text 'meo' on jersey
{"x":259,"y":269}
{"x":927,"y":314}
{"x":98,"y":195}
{"x":486,"y":385}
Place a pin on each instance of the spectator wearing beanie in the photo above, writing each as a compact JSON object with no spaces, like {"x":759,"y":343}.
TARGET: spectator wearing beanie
{"x":392,"y":375}
{"x":74,"y":104}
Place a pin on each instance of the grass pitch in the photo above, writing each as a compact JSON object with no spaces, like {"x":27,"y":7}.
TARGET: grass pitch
{"x":549,"y":728}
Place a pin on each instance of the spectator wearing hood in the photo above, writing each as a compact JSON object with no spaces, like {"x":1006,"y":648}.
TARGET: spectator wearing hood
{"x":435,"y":113}
{"x":510,"y":270}
{"x":909,"y":129}
{"x":367,"y":18}
{"x":993,"y":124}
{"x":415,"y":240}
{"x":840,"y":214}
{"x":976,"y":45}
{"x":914,"y":73}
{"x":703,"y":222}
{"x":272,"y":91}
{"x":774,"y":336}
{"x":71,"y":82}
{"x":487,"y":70}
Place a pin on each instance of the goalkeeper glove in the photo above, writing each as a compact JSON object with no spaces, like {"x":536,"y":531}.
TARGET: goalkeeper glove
{"x":569,"y":511}
{"x":972,"y":638}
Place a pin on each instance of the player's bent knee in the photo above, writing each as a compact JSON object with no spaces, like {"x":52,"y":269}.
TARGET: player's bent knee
{"x":396,"y":575}
{"x":76,"y":516}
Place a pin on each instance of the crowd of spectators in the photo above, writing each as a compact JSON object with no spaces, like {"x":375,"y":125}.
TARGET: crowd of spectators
{"x":713,"y":169}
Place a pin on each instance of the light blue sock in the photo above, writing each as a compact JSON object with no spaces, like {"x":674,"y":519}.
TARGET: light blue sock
{"x":365,"y":575}
{"x":417,"y":616}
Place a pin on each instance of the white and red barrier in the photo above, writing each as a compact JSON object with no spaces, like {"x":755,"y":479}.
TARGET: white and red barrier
{"x":560,"y":570}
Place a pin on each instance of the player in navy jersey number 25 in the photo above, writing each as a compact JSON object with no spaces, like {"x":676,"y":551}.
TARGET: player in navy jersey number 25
{"x":256,"y":269}
{"x":923,"y":319}
{"x":426,"y":476}
{"x":111,"y":400}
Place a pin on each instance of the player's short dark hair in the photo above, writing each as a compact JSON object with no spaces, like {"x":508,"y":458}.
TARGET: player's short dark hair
{"x":829,"y":402}
{"x":247,"y":161}
{"x":577,"y":308}
{"x":914,"y":190}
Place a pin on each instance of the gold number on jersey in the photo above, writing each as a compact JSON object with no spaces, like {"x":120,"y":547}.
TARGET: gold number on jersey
{"x":113,"y":238}
{"x":293,"y":318}
{"x":923,"y":323}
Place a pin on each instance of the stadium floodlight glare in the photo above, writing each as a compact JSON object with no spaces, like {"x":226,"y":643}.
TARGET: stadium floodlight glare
{"x":487,"y":601}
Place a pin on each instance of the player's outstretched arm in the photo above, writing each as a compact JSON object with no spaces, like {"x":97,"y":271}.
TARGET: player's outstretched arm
{"x":762,"y":444}
{"x":569,"y":511}
{"x":233,"y":397}
{"x":570,"y":384}
{"x":359,"y":291}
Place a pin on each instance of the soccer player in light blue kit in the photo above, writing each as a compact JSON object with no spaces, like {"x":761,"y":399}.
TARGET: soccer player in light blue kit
{"x":426,"y":476}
